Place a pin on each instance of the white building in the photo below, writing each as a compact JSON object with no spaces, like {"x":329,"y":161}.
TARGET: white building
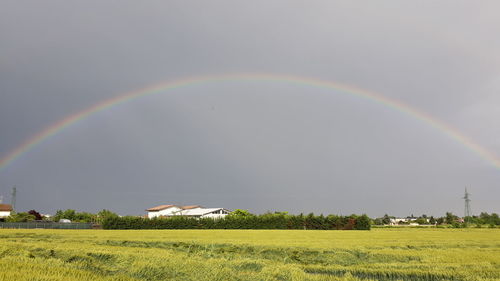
{"x":5,"y":210}
{"x":407,"y":221}
{"x":163,"y":211}
{"x":396,"y":221}
{"x":195,"y":211}
{"x":214,"y":213}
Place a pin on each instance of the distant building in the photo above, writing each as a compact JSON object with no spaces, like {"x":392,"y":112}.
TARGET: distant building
{"x":410,"y":220}
{"x":165,"y":210}
{"x":214,"y":213}
{"x":5,"y":210}
{"x":396,"y":221}
{"x":194,"y":211}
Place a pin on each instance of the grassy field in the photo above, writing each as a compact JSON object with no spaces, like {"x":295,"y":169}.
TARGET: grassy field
{"x":379,"y":254}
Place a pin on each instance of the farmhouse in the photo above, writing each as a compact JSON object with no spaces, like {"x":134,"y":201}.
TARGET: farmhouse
{"x":163,"y":211}
{"x":5,"y":210}
{"x":205,"y":213}
{"x":195,"y":211}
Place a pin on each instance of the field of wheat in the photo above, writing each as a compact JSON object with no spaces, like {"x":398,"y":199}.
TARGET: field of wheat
{"x":379,"y":254}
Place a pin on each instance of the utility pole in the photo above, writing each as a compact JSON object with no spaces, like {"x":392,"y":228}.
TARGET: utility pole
{"x":467,"y":212}
{"x":13,"y":199}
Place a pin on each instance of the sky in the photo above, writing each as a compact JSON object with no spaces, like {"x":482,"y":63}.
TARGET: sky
{"x":259,"y":145}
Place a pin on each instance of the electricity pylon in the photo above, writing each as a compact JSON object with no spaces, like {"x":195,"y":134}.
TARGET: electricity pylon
{"x":467,"y":212}
{"x":13,"y":198}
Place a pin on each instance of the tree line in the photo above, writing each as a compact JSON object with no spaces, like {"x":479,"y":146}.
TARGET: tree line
{"x":449,"y":218}
{"x":68,"y":214}
{"x":243,"y":220}
{"x":238,"y":219}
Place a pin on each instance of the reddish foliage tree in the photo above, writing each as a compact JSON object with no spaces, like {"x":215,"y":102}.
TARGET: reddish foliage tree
{"x":36,"y":214}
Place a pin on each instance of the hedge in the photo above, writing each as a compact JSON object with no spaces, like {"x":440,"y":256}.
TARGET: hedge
{"x":265,"y":221}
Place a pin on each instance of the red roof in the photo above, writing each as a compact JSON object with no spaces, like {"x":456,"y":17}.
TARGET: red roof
{"x":5,"y":208}
{"x":159,"y":208}
{"x":163,"y":207}
{"x":190,"y":207}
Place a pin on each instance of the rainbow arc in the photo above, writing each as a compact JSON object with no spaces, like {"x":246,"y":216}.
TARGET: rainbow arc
{"x":165,"y":87}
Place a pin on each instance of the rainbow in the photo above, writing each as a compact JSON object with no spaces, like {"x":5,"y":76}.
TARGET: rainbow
{"x":59,"y":126}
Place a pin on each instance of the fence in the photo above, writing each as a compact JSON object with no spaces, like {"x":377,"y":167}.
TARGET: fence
{"x":47,"y":225}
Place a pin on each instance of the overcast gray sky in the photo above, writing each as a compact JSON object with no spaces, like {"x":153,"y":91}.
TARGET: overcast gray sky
{"x":251,"y":145}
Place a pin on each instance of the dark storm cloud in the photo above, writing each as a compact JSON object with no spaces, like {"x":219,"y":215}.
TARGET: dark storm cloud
{"x":258,"y":146}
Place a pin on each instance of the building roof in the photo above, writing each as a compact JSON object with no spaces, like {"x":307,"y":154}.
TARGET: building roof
{"x":199,"y":212}
{"x":190,"y":207}
{"x":159,"y":208}
{"x":163,"y":207}
{"x":5,"y":208}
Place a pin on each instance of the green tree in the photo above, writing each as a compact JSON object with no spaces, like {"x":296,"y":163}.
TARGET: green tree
{"x":103,"y":215}
{"x":440,"y":220}
{"x":240,"y":213}
{"x":450,"y":218}
{"x":20,"y":217}
{"x":362,"y":222}
{"x":74,"y":216}
{"x":71,"y":215}
{"x":432,"y":220}
{"x":484,"y":218}
{"x":495,"y":219}
{"x":421,"y":221}
{"x":386,"y":219}
{"x":83,"y":217}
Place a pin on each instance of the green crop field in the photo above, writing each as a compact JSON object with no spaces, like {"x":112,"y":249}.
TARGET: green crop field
{"x":379,"y":254}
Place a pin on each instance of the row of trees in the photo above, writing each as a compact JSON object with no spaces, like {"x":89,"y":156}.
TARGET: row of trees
{"x":449,"y":218}
{"x":240,"y":219}
{"x":243,"y":219}
{"x":484,"y":218}
{"x":24,"y":216}
{"x":74,"y":216}
{"x":68,"y":214}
